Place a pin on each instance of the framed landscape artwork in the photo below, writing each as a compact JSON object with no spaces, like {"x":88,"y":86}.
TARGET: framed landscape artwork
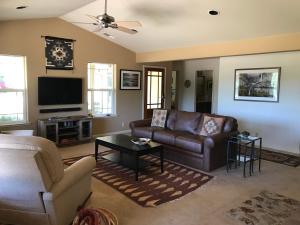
{"x":130,"y":79}
{"x":257,"y":84}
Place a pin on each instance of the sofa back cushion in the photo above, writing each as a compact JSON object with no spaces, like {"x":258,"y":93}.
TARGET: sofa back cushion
{"x":230,"y":124}
{"x":171,"y":119}
{"x":187,"y":121}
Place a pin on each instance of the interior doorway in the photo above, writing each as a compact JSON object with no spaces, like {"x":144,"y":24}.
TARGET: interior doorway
{"x":204,"y":84}
{"x":154,"y":97}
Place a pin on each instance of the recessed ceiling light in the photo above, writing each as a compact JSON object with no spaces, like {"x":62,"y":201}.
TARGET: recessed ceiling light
{"x":213,"y":12}
{"x":22,"y":7}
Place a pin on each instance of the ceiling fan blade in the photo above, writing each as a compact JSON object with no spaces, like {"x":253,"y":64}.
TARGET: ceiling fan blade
{"x":93,"y":17}
{"x":99,"y":28}
{"x":109,"y":35}
{"x":129,"y":24}
{"x":85,"y":23}
{"x":126,"y":30}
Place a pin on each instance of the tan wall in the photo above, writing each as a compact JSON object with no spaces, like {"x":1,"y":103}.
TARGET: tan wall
{"x":278,"y":43}
{"x":24,"y":38}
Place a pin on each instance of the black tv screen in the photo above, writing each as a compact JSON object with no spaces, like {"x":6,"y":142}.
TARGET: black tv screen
{"x":59,"y":91}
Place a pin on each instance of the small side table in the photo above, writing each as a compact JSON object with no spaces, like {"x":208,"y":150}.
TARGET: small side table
{"x":236,"y":144}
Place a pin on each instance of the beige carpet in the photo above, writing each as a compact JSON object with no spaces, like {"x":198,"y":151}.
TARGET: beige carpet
{"x":207,"y":205}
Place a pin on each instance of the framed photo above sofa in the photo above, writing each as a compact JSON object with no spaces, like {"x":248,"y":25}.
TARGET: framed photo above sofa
{"x":257,"y":84}
{"x":130,"y":79}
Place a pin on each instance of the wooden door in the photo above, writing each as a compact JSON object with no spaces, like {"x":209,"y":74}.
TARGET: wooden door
{"x":153,"y":90}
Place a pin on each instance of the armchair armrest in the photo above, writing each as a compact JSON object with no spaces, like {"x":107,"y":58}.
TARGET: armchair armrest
{"x":140,"y":123}
{"x":72,"y":174}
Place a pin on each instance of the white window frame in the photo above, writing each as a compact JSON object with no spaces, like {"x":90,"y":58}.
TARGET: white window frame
{"x":25,"y":96}
{"x":114,"y":100}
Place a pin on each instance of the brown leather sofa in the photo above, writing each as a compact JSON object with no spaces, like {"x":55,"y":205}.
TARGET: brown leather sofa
{"x":182,"y":142}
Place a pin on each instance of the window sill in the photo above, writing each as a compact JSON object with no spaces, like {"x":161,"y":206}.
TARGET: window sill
{"x":17,"y":124}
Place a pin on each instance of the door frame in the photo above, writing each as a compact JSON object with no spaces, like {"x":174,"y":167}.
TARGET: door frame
{"x":212,"y":89}
{"x":143,"y":85}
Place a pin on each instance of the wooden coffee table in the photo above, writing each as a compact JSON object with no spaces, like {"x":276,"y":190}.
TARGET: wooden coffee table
{"x":129,"y":153}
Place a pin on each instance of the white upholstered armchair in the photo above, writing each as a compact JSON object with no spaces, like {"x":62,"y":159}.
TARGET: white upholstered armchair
{"x":34,"y":186}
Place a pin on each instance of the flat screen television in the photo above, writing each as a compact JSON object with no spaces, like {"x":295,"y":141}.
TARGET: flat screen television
{"x":59,"y":91}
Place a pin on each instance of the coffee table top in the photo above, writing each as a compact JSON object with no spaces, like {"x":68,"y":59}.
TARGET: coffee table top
{"x":124,"y":141}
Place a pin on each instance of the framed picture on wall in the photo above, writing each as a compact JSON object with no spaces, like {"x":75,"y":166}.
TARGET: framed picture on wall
{"x":257,"y":84}
{"x":59,"y":53}
{"x":130,"y":79}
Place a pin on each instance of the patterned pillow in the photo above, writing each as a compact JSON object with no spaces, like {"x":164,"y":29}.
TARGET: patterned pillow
{"x":89,"y":216}
{"x":159,"y":118}
{"x":211,"y":125}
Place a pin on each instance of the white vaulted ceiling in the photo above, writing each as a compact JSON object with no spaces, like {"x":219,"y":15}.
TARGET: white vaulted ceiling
{"x":38,"y":8}
{"x":182,"y":23}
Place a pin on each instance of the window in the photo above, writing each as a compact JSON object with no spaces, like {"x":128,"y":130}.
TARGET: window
{"x":101,"y":89}
{"x":13,"y":98}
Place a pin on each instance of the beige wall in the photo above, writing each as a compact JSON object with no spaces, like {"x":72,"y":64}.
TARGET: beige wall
{"x":276,"y":43}
{"x":24,"y":38}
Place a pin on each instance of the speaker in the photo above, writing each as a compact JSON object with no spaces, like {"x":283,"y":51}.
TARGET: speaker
{"x":60,"y":110}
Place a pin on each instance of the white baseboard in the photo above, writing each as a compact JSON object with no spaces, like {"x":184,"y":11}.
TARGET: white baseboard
{"x":111,"y":133}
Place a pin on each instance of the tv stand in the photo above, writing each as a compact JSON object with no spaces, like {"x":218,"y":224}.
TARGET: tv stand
{"x":66,"y":130}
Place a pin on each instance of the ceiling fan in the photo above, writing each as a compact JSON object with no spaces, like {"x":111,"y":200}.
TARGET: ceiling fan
{"x":106,"y":21}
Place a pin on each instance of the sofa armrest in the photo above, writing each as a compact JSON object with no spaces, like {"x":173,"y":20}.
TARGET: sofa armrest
{"x":215,"y":150}
{"x":216,"y":139}
{"x":140,"y":123}
{"x":72,"y":174}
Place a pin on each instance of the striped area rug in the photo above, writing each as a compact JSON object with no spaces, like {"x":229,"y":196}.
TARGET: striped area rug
{"x":278,"y":157}
{"x":153,"y":187}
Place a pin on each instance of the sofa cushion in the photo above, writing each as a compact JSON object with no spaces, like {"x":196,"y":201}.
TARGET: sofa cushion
{"x":159,"y":118}
{"x":171,"y":119}
{"x":211,"y":125}
{"x":166,"y":136}
{"x":145,"y":132}
{"x":190,"y":142}
{"x":229,"y":124}
{"x":187,"y":121}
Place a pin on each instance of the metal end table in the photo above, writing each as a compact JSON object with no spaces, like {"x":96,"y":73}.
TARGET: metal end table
{"x":250,"y":154}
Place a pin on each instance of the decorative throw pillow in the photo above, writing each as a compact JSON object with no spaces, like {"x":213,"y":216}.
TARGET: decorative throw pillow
{"x":211,"y":125}
{"x":159,"y":118}
{"x":90,"y":216}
